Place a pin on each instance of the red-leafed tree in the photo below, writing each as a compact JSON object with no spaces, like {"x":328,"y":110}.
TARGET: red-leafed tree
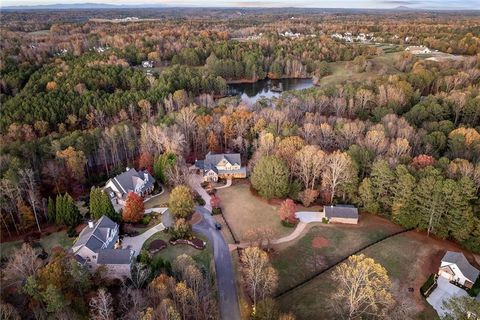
{"x":422,"y":161}
{"x":146,"y":161}
{"x":215,"y":201}
{"x":287,"y":211}
{"x":134,"y":209}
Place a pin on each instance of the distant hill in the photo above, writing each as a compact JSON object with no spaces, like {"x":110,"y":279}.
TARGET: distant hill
{"x":403,"y":8}
{"x":87,"y":5}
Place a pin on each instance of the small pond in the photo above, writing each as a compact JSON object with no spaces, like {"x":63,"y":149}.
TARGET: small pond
{"x":251,"y":92}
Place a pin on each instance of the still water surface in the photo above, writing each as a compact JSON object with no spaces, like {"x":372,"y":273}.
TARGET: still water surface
{"x":251,"y":92}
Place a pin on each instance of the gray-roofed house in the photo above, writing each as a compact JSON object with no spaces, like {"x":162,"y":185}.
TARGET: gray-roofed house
{"x":341,"y":214}
{"x":223,"y":165}
{"x":456,"y":268}
{"x":97,"y":246}
{"x":141,"y":182}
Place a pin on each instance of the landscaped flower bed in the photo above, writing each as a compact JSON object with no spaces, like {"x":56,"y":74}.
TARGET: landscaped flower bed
{"x":156,"y":246}
{"x":194,"y":242}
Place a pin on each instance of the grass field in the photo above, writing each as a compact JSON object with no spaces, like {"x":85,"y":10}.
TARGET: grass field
{"x":343,"y":72}
{"x":203,"y":257}
{"x":409,"y":259}
{"x":244,"y":211}
{"x":324,"y":245}
{"x":158,"y":201}
{"x":56,"y":239}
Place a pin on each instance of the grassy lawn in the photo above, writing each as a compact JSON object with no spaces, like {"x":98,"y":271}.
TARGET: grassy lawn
{"x":323,"y":245}
{"x":158,"y":201}
{"x":203,"y":257}
{"x":342,"y":71}
{"x":244,"y":211}
{"x":55,"y":239}
{"x":409,"y":259}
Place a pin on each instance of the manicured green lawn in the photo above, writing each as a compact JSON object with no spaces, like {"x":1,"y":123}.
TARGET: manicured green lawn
{"x":404,"y":256}
{"x":158,"y":201}
{"x":203,"y":257}
{"x":324,"y":245}
{"x":244,"y":211}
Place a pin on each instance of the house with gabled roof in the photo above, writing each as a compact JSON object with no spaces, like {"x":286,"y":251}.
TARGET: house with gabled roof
{"x":141,"y":182}
{"x":98,"y":245}
{"x":223,"y":165}
{"x":456,"y":268}
{"x":341,"y":213}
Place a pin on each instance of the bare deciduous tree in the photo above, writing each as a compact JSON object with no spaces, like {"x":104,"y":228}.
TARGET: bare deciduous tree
{"x":101,"y":305}
{"x":338,"y":171}
{"x":22,"y":264}
{"x":260,"y":277}
{"x":27,"y":180}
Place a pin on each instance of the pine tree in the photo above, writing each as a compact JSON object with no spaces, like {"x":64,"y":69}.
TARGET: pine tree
{"x":367,"y":197}
{"x":459,"y":212}
{"x":72,"y":214}
{"x":382,"y":179}
{"x":59,"y":209}
{"x":100,"y":205}
{"x":429,"y":203}
{"x":403,"y":211}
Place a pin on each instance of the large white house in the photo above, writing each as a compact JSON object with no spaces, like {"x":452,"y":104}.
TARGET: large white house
{"x":418,"y":50}
{"x":224,"y":165}
{"x":140,"y":182}
{"x":455,"y":267}
{"x":97,"y":245}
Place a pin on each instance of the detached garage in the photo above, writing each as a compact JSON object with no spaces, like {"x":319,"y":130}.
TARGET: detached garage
{"x":342,"y":214}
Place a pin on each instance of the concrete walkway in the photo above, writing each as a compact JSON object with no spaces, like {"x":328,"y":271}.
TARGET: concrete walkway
{"x":137,"y":242}
{"x":160,"y":210}
{"x":228,"y":184}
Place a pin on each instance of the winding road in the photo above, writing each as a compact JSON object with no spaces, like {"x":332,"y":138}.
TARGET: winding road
{"x":227,"y":288}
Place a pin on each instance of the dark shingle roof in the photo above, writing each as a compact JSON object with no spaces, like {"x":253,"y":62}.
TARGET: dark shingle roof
{"x":214,"y":159}
{"x":341,"y":211}
{"x":94,"y":238}
{"x":114,"y":256}
{"x":125,"y":182}
{"x":469,"y":271}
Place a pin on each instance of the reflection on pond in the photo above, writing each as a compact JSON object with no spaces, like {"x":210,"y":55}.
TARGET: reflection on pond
{"x":251,"y":92}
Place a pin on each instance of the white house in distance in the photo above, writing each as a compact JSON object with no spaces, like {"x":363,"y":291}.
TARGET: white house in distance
{"x":418,"y":50}
{"x":224,"y":165}
{"x":341,"y":213}
{"x":455,"y":267}
{"x":140,"y":182}
{"x":97,"y":245}
{"x":147,"y":64}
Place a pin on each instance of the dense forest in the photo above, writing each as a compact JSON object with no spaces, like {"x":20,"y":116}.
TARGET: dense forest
{"x":77,"y":106}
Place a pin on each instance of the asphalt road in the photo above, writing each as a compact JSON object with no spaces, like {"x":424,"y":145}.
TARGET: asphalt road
{"x":227,"y":289}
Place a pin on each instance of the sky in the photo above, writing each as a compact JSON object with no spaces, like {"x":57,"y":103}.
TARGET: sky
{"x":380,"y":4}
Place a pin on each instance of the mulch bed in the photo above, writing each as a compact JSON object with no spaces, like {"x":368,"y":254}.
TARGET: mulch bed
{"x":194,"y":242}
{"x":156,"y":246}
{"x":320,"y":242}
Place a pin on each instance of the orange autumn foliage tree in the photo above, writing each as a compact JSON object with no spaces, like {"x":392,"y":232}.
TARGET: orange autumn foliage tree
{"x":287,"y":211}
{"x":146,"y":161}
{"x":134,"y":209}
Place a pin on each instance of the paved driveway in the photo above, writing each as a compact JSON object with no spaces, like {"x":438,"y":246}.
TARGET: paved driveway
{"x":444,"y":291}
{"x":227,"y":289}
{"x":310,"y":216}
{"x":136,"y":243}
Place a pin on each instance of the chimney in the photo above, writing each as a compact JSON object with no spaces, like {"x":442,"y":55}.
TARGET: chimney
{"x":91,"y":224}
{"x":126,"y":169}
{"x":145,"y":175}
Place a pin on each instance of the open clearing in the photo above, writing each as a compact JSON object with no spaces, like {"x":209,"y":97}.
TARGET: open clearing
{"x":324,"y":244}
{"x":244,"y":211}
{"x":409,"y":259}
{"x":344,"y":72}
